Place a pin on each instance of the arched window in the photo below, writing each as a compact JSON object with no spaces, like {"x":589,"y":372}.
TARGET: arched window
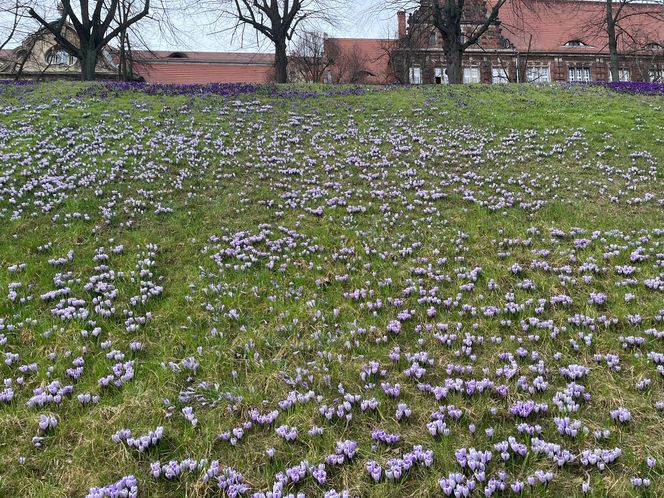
{"x":432,"y":39}
{"x":576,"y":44}
{"x":59,"y":57}
{"x":177,"y":55}
{"x":653,"y":46}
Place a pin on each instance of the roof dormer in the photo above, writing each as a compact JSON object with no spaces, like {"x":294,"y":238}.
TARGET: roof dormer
{"x":576,"y":44}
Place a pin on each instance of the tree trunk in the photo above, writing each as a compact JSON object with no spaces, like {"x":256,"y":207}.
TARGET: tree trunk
{"x":614,"y":63}
{"x":89,"y":65}
{"x":281,"y":61}
{"x":454,"y":57}
{"x":447,"y":19}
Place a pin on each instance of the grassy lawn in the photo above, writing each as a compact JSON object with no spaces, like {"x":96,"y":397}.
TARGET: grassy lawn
{"x":352,"y":291}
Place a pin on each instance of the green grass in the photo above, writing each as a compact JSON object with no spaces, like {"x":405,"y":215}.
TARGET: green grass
{"x":207,"y":159}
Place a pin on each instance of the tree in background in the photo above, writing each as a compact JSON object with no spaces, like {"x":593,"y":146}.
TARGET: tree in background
{"x":623,"y":24}
{"x":12,"y":20}
{"x":9,"y":20}
{"x":277,"y":20}
{"x":310,"y":57}
{"x":95,"y":23}
{"x":461,"y":24}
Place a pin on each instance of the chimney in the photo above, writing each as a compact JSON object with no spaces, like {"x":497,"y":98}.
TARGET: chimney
{"x":401,"y":23}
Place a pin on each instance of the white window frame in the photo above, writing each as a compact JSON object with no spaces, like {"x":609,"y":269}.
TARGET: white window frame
{"x":538,"y":74}
{"x":59,"y":57}
{"x":656,"y":75}
{"x":623,"y":74}
{"x":415,"y":75}
{"x":499,"y":75}
{"x":471,"y":74}
{"x":441,"y":72}
{"x":576,"y":44}
{"x":578,"y":74}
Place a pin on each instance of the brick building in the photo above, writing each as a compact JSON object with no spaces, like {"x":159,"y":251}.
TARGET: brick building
{"x":203,"y":67}
{"x":564,"y":41}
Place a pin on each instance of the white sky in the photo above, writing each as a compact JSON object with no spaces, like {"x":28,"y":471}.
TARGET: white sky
{"x":197,"y":35}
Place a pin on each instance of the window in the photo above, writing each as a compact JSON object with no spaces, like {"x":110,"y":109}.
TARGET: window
{"x":576,"y":43}
{"x":471,"y":74}
{"x":656,"y":75}
{"x":654,"y":47}
{"x":415,"y":76}
{"x":537,"y":74}
{"x":623,"y":74}
{"x":499,"y":75}
{"x":59,"y":57}
{"x":432,"y":39}
{"x":579,"y":74}
{"x":440,"y":75}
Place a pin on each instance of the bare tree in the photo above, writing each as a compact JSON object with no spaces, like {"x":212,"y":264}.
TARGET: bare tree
{"x":125,"y":65}
{"x":134,"y":53}
{"x":95,"y":28}
{"x":461,"y":24}
{"x":309,"y":58}
{"x":13,"y":20}
{"x":276,"y":20}
{"x":619,"y":23}
{"x":350,"y":66}
{"x":14,"y":24}
{"x":9,"y":20}
{"x":398,"y":52}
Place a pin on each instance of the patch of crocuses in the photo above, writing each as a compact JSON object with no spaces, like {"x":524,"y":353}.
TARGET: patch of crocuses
{"x":634,"y":87}
{"x":267,"y":291}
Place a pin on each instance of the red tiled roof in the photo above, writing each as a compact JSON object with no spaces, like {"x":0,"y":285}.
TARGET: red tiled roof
{"x":210,"y":57}
{"x":187,"y":73}
{"x":203,"y":67}
{"x":552,"y":26}
{"x":374,"y":54}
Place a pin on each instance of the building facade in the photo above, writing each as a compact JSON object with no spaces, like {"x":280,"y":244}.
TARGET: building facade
{"x":40,"y":57}
{"x":564,"y":41}
{"x":538,"y":43}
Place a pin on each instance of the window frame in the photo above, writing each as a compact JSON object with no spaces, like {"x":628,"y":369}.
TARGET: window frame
{"x":412,"y":72}
{"x":538,"y":73}
{"x":441,"y":72}
{"x":499,"y":75}
{"x":58,"y":56}
{"x":579,"y":74}
{"x":656,"y":75}
{"x":576,"y":44}
{"x":468,"y":74}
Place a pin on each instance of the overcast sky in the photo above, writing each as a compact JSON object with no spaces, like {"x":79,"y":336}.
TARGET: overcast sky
{"x":197,"y":35}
